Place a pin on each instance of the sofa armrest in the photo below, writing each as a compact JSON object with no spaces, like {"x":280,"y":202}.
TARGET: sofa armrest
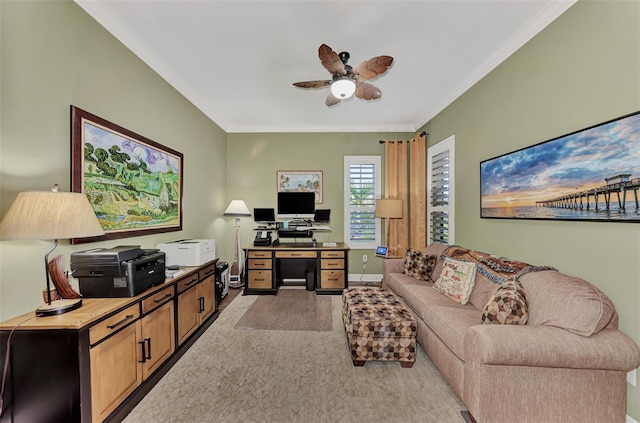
{"x":395,"y":265}
{"x":547,"y":346}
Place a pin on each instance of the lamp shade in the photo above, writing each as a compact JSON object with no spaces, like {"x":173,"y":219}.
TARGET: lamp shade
{"x":50,"y":215}
{"x":343,"y":88}
{"x":237,"y":208}
{"x":389,"y":208}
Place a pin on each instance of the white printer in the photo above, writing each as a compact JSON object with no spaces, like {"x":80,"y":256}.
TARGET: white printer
{"x":188,"y":252}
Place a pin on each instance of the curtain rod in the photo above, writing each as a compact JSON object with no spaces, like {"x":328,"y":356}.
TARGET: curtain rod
{"x":422,"y":134}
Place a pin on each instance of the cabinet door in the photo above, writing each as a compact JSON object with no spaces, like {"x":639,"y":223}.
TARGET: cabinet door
{"x":158,"y":337}
{"x":116,"y":370}
{"x":207,"y":295}
{"x":188,"y":308}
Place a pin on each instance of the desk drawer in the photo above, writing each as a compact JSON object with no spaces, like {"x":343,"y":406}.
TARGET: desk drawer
{"x":332,"y":264}
{"x":157,"y":299}
{"x":114,"y":323}
{"x":207,"y":271}
{"x":296,"y":254}
{"x":260,"y":254}
{"x":259,"y":279}
{"x":259,"y":263}
{"x":332,"y":254}
{"x":331,"y":279}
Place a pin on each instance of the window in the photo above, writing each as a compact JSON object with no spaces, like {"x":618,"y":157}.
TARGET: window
{"x":361,"y":187}
{"x":440,"y":191}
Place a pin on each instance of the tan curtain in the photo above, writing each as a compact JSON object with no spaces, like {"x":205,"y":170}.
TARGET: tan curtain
{"x":405,"y":179}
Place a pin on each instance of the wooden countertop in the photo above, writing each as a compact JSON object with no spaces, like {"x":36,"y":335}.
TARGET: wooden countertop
{"x":92,"y":309}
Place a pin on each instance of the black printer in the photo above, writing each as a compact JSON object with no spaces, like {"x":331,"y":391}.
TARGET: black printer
{"x":123,"y":271}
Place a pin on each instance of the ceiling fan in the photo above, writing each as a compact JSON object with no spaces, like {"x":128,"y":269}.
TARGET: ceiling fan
{"x":346,"y":80}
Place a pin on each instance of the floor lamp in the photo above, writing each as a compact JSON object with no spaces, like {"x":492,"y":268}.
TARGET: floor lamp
{"x":389,"y":209}
{"x":54,"y":215}
{"x":237,"y":208}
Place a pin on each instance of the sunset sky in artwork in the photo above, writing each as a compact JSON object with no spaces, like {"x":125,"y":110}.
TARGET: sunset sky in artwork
{"x":571,"y":163}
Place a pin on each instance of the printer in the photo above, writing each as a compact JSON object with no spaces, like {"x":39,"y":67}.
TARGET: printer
{"x":189,"y":252}
{"x":123,"y":271}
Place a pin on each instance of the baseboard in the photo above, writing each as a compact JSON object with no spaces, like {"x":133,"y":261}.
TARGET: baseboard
{"x":355,"y":278}
{"x":630,"y":419}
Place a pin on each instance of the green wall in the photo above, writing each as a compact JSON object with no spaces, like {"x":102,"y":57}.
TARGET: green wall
{"x":254,"y":159}
{"x":581,"y":70}
{"x":54,"y":55}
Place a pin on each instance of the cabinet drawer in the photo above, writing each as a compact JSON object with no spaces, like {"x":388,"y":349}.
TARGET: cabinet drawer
{"x":259,"y":263}
{"x":332,"y":254}
{"x":187,"y":283}
{"x":259,"y":279}
{"x":157,"y":299}
{"x":296,"y":254}
{"x":259,"y":254}
{"x":332,"y":279}
{"x":332,"y":264}
{"x":114,"y":323}
{"x":207,"y":271}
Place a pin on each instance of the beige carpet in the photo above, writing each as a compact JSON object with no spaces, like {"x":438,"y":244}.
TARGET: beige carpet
{"x":291,"y":309}
{"x":240,"y":375}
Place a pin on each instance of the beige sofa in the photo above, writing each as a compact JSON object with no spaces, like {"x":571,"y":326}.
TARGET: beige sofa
{"x":567,"y":364}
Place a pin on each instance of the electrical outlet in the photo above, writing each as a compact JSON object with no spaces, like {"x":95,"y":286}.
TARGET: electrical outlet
{"x":631,"y":377}
{"x":364,"y":258}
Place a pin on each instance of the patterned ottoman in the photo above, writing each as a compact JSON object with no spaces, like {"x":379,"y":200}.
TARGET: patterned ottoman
{"x":378,"y":326}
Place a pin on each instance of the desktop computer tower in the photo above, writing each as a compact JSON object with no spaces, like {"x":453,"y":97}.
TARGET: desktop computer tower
{"x":222,"y":280}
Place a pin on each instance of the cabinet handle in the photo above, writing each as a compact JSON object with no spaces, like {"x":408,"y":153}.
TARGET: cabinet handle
{"x":191,"y":282}
{"x":209,"y":272}
{"x":200,"y":304}
{"x":258,"y":264}
{"x":148,"y":341}
{"x":167,"y":295}
{"x":333,"y":279}
{"x":144,"y":353}
{"x":115,"y":325}
{"x":259,"y":279}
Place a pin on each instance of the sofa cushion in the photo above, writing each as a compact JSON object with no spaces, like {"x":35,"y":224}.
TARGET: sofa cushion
{"x":508,"y":306}
{"x":456,"y":280}
{"x":397,"y":282}
{"x":421,"y":297}
{"x":451,"y":324}
{"x":419,"y":265}
{"x":567,"y":302}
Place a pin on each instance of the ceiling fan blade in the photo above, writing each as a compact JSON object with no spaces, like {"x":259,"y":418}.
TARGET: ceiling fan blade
{"x":367,"y":91}
{"x":330,"y":60}
{"x":332,"y":100}
{"x":313,"y":84}
{"x":373,"y":67}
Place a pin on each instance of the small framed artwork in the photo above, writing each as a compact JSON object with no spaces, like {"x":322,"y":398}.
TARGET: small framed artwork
{"x":134,"y":184}
{"x":301,"y":180}
{"x":588,"y":175}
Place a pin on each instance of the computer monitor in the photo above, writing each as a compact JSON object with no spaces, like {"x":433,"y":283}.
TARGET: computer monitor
{"x":296,"y":205}
{"x":322,"y":215}
{"x":262,"y":215}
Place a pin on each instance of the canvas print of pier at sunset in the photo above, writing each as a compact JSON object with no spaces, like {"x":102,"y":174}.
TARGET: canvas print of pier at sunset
{"x":592,"y":174}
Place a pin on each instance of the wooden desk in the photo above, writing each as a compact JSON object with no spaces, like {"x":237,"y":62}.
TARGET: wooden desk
{"x":266,"y":268}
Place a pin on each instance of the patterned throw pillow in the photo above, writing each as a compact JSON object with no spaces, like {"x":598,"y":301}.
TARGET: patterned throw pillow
{"x":456,"y":280}
{"x":508,"y":306}
{"x":418,"y":265}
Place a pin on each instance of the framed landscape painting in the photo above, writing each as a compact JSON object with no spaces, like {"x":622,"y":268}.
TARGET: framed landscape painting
{"x":300,"y":180}
{"x":589,"y":175}
{"x":134,"y":184}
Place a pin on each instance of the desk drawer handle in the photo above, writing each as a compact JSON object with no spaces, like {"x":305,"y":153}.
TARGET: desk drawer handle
{"x":259,"y":279}
{"x":333,"y":264}
{"x":209,"y":272}
{"x":167,"y":295}
{"x":115,"y":325}
{"x":259,"y":264}
{"x":333,"y":279}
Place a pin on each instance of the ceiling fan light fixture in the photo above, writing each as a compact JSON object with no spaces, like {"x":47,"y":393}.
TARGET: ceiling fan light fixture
{"x":343,"y":88}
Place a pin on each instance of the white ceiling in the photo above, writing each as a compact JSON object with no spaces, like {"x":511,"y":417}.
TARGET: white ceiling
{"x":237,"y":60}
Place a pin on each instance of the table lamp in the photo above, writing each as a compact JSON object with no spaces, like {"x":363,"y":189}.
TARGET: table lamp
{"x":388,"y":208}
{"x":45,"y":215}
{"x":237,"y":208}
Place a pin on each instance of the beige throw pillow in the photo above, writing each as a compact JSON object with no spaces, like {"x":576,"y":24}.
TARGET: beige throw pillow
{"x":456,"y":280}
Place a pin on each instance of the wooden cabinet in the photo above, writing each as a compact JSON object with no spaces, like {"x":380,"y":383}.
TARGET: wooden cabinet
{"x":196,"y":301}
{"x":95,"y":363}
